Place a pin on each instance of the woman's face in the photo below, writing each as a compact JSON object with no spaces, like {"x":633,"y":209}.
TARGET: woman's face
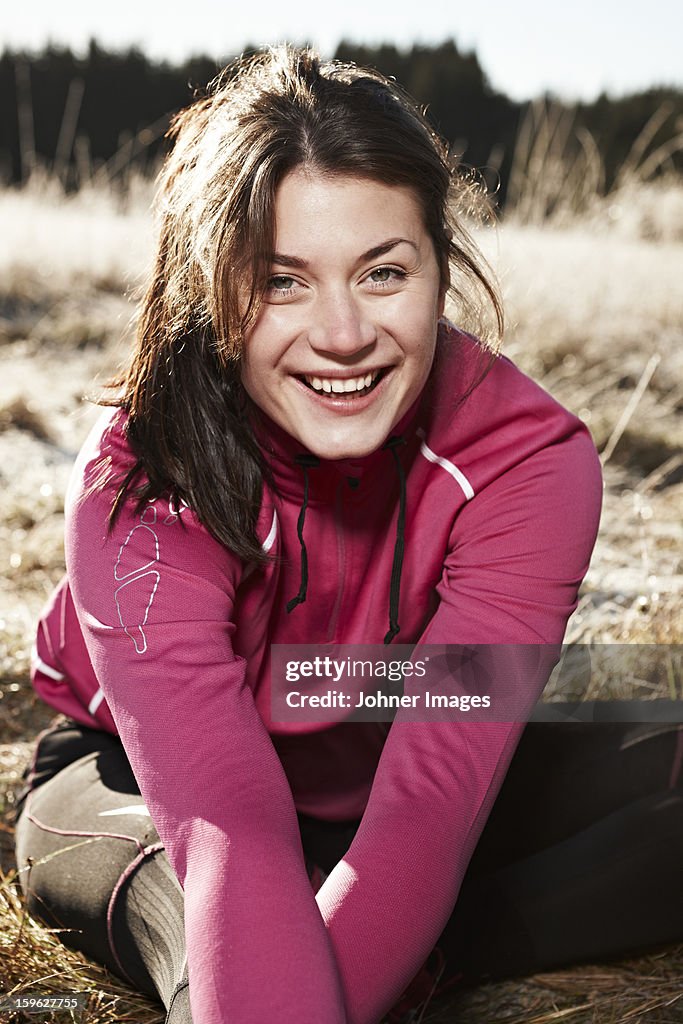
{"x":345,"y":339}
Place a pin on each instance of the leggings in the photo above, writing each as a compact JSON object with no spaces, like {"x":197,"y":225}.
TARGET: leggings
{"x":580,"y":859}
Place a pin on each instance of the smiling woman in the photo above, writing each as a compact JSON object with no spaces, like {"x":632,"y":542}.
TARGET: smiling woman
{"x":274,"y":135}
{"x":343,"y":345}
{"x":304,"y":451}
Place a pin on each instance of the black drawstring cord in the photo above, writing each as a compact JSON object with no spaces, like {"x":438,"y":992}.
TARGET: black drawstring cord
{"x":395,"y":590}
{"x":306,"y":462}
{"x":311,"y":461}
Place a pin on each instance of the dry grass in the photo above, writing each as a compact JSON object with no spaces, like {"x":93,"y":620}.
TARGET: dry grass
{"x":648,"y":989}
{"x":96,"y":239}
{"x":34,"y":959}
{"x":558,"y":176}
{"x":596,"y":314}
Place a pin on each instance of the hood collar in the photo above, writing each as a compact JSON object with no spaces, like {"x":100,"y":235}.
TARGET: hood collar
{"x":299,"y":474}
{"x":284,"y":455}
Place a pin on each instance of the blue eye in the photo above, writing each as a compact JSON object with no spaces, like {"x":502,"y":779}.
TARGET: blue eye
{"x":280,"y":283}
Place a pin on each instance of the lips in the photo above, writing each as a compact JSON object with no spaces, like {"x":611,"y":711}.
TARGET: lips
{"x":346,"y":403}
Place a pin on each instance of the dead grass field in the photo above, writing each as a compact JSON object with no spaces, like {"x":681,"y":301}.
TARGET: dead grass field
{"x":595,"y":313}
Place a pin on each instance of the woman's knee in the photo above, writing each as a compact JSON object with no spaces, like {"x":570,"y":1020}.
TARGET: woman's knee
{"x":78,"y":837}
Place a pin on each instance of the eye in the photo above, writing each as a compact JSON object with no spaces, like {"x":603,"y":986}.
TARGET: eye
{"x":281,"y":284}
{"x":385,"y":276}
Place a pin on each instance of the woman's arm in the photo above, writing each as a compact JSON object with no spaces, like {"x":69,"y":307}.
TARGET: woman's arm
{"x":518,"y":553}
{"x":154,"y":602}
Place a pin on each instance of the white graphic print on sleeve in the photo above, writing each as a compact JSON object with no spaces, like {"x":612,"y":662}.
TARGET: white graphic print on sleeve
{"x":134,"y":569}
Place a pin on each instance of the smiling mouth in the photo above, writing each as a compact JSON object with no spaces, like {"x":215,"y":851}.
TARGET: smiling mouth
{"x":346,"y":389}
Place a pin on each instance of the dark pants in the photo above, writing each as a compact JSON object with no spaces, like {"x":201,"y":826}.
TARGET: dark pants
{"x":579,"y":860}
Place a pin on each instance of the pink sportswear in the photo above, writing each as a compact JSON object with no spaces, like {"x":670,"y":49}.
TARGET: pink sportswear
{"x":160,"y":634}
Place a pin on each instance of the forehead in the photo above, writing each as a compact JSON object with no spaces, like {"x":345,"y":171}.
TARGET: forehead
{"x":315,"y":211}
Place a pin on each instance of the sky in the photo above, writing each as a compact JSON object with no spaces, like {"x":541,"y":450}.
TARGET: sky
{"x":526,"y":47}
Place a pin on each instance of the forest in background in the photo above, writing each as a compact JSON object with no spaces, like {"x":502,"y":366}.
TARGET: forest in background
{"x":104,"y":112}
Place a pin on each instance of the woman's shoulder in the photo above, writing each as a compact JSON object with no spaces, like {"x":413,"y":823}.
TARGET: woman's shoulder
{"x":505,"y":419}
{"x":494,"y":382}
{"x":105,"y":452}
{"x":103,"y":463}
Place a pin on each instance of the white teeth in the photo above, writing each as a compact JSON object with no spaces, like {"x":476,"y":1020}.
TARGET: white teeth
{"x":340,"y":387}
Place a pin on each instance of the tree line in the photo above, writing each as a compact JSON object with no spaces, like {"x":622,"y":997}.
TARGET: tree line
{"x":105,"y":112}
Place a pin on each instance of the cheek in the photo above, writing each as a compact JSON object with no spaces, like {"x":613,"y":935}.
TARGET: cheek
{"x":256,"y":356}
{"x":262,"y":366}
{"x":258,"y":386}
{"x":423,"y":354}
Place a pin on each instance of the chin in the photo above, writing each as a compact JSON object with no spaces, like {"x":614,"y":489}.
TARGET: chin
{"x":328,"y":453}
{"x":343,"y":448}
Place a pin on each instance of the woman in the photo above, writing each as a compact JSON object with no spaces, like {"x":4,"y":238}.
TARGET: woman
{"x":305,"y":452}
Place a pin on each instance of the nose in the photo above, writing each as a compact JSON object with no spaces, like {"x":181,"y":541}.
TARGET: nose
{"x":341,"y":325}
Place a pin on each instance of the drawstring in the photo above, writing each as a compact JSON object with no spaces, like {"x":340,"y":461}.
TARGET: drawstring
{"x":394,"y":593}
{"x":306,"y":462}
{"x":311,"y":461}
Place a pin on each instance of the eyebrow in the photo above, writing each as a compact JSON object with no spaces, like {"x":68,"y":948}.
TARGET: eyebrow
{"x":283,"y":260}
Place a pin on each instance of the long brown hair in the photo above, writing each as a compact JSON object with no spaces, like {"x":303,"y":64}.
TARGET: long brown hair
{"x":188,"y":415}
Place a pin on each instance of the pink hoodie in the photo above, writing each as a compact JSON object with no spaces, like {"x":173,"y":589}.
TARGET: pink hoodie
{"x":161,"y":634}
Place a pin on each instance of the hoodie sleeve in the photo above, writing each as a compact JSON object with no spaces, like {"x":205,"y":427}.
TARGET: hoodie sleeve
{"x":154,"y":601}
{"x":517,"y":555}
